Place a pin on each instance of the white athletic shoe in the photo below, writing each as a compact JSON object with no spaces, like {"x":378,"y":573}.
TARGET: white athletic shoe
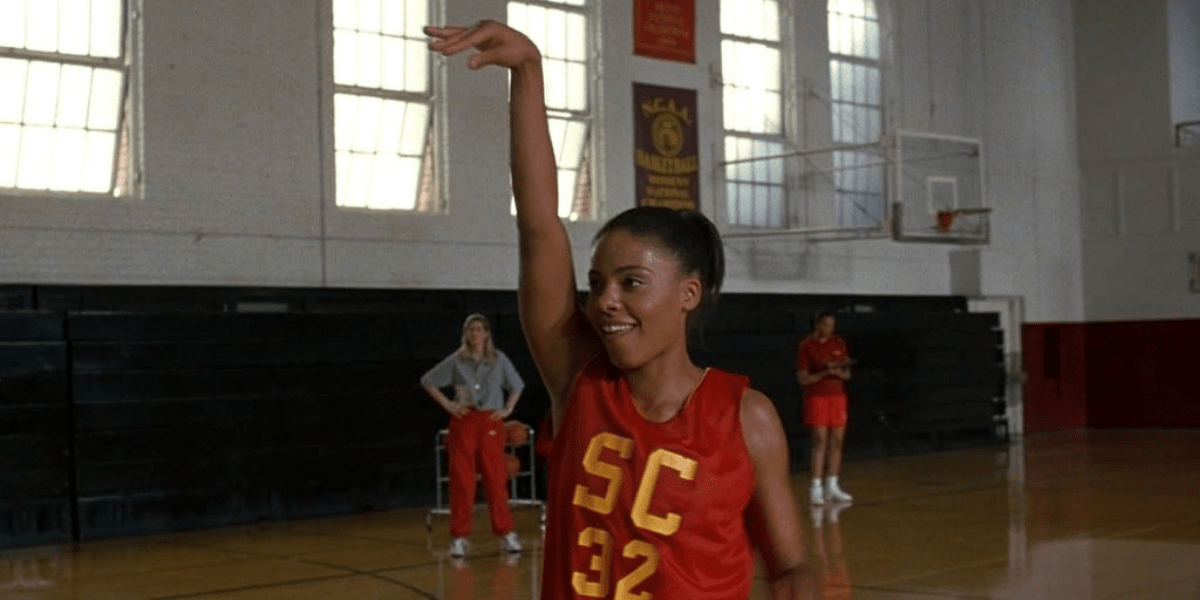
{"x":836,"y":494}
{"x":510,"y":542}
{"x":816,"y":495}
{"x":459,"y":547}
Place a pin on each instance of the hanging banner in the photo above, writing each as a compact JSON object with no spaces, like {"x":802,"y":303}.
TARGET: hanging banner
{"x":665,"y":29}
{"x":666,"y":151}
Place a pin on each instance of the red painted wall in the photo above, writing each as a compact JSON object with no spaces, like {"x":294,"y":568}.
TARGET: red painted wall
{"x":1056,"y":384}
{"x":1112,"y":375}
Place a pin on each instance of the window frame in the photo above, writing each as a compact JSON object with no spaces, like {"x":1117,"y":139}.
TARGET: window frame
{"x":845,"y":217}
{"x":435,"y":146}
{"x":784,"y":139}
{"x":590,"y":154}
{"x":126,"y":181}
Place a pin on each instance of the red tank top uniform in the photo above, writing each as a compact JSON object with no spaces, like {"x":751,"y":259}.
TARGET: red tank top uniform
{"x":646,"y":510}
{"x":813,"y":355}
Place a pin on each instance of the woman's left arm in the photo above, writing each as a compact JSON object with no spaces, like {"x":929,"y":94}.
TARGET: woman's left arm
{"x":512,"y":381}
{"x":772,"y":518}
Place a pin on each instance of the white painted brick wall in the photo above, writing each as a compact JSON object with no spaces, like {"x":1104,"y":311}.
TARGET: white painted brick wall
{"x":234,"y":184}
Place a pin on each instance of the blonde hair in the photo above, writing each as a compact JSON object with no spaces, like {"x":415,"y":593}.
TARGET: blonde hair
{"x":489,"y":349}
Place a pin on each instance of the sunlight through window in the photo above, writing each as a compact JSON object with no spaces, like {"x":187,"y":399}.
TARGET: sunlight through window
{"x":383,"y":106}
{"x":752,"y":71}
{"x":856,"y":106}
{"x":63,"y":113}
{"x":561,"y":33}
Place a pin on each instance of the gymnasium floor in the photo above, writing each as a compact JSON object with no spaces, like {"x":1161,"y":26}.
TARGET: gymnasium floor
{"x":1095,"y":515}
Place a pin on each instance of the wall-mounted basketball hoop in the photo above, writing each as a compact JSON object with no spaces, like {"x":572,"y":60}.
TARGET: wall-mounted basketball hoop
{"x":946,"y":219}
{"x":937,"y":190}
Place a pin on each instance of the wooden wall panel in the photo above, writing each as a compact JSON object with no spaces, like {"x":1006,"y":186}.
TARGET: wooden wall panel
{"x":176,"y":408}
{"x":35,"y":436}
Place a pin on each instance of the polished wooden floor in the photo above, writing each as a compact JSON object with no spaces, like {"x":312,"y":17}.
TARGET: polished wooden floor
{"x":1081,"y":516}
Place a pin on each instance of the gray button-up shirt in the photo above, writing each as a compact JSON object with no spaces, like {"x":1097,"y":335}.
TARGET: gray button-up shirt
{"x":484,"y":384}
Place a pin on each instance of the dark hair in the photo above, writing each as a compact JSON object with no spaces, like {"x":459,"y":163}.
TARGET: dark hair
{"x":689,"y":235}
{"x":821,"y":314}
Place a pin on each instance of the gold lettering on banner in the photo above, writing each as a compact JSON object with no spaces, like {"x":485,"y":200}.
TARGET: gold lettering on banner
{"x":666,"y":165}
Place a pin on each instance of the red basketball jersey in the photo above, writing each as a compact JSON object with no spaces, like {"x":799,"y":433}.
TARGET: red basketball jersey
{"x":814,"y":356}
{"x":646,"y":510}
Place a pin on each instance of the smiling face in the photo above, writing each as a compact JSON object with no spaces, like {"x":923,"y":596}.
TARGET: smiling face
{"x":638,"y":301}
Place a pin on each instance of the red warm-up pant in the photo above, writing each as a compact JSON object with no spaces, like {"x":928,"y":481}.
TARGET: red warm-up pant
{"x":476,"y":444}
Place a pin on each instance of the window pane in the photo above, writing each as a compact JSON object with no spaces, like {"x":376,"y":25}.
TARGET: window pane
{"x":12,"y":77}
{"x":70,"y":147}
{"x":345,"y":56}
{"x":10,"y":143}
{"x":369,"y":13}
{"x":416,"y":123}
{"x":41,"y":91}
{"x":106,"y":17}
{"x":42,"y":26}
{"x":33,"y":166}
{"x":345,"y":14}
{"x":366,"y":124}
{"x":98,"y":161}
{"x":367,"y":68}
{"x":12,"y":26}
{"x":76,"y":85}
{"x":104,"y":107}
{"x":416,"y":67}
{"x":391,"y":18}
{"x":395,"y":73}
{"x":75,"y":27}
{"x":576,"y":32}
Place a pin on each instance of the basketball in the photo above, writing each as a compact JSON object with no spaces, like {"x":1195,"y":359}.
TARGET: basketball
{"x":512,"y":465}
{"x":516,"y":433}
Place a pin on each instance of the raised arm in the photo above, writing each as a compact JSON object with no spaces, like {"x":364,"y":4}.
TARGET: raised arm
{"x":772,"y":519}
{"x":557,"y":331}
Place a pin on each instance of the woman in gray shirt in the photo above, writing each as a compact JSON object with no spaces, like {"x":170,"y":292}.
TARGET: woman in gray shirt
{"x":480,"y":375}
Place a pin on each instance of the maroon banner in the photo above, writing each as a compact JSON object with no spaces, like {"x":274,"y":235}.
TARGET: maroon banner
{"x":665,"y":29}
{"x":665,"y":148}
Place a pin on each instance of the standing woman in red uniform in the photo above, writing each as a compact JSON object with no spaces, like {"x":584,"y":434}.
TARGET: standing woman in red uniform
{"x":487,"y":388}
{"x":664,"y":476}
{"x":822,"y":369}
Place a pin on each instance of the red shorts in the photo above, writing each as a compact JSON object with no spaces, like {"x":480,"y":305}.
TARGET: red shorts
{"x":825,"y":411}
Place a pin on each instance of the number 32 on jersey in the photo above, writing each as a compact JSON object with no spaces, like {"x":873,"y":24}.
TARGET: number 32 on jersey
{"x":666,"y":524}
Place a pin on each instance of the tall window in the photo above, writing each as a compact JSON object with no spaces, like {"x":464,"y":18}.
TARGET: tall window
{"x":856,"y":106}
{"x":383,"y":105}
{"x":64,"y":96}
{"x":751,"y":66}
{"x":560,"y":30}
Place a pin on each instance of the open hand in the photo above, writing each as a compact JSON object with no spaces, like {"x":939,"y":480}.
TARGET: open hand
{"x":498,"y":44}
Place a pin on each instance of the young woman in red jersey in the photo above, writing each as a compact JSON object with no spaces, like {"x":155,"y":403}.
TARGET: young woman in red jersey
{"x":822,"y":369}
{"x":664,"y":476}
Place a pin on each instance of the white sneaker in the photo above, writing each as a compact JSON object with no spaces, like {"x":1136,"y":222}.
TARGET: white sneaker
{"x":510,"y":542}
{"x":836,"y":494}
{"x":816,"y":495}
{"x":459,"y":547}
